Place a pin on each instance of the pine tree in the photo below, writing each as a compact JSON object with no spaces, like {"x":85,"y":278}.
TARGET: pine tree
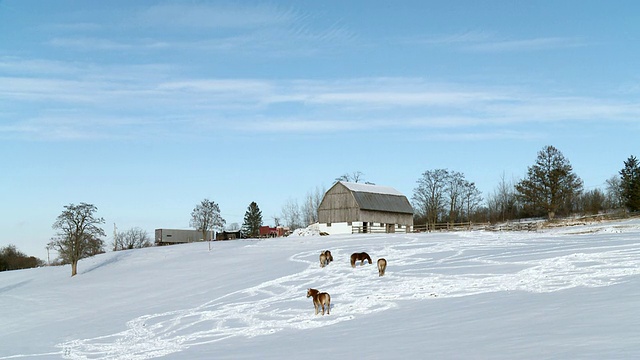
{"x":550,"y":183}
{"x":630,"y":183}
{"x":252,"y":220}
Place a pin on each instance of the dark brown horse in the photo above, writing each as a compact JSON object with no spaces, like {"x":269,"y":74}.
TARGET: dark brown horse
{"x":359,"y":256}
{"x":320,"y":299}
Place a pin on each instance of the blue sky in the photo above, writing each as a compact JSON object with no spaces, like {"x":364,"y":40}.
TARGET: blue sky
{"x":145,"y":108}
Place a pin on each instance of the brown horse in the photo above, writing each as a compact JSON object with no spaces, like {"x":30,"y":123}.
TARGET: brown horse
{"x":359,"y":256}
{"x":320,"y":299}
{"x":325,"y":258}
{"x":382,"y":266}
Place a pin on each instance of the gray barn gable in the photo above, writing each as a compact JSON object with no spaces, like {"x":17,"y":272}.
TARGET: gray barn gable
{"x":355,"y":202}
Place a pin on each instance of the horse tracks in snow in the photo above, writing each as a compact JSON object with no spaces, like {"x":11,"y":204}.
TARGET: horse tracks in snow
{"x":421,"y":267}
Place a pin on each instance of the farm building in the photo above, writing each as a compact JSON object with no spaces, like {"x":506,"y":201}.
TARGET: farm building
{"x":268,"y":231}
{"x":178,"y":236}
{"x":354,"y":207}
{"x":229,"y":235}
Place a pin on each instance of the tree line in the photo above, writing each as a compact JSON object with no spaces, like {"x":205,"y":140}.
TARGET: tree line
{"x":13,"y":259}
{"x":550,"y":188}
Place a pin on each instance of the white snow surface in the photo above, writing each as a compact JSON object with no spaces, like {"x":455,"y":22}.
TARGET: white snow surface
{"x":562,"y":293}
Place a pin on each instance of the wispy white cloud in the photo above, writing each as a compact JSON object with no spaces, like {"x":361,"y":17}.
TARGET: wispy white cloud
{"x":562,"y":108}
{"x":90,"y":101}
{"x":238,"y":29}
{"x":483,"y":135}
{"x":85,"y":43}
{"x":20,"y":66}
{"x":467,"y":37}
{"x":218,"y":85}
{"x":483,"y":41}
{"x":74,"y":27}
{"x":534,"y":44}
{"x":82,"y":126}
{"x":212,"y":15}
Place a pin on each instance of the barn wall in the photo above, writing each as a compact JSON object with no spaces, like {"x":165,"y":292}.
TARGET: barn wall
{"x":386,"y":217}
{"x":338,"y":228}
{"x":338,"y":205}
{"x":357,"y":226}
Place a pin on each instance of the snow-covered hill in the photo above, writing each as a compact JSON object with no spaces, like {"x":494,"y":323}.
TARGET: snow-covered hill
{"x":562,"y":293}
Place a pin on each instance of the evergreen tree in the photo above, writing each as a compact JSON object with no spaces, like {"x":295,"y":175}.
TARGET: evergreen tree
{"x":252,"y":220}
{"x":550,"y":183}
{"x":630,"y":183}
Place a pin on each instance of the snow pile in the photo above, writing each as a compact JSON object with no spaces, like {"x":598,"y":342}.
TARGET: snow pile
{"x":311,"y":230}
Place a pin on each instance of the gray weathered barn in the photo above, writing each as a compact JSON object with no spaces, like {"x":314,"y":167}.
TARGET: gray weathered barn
{"x":354,"y":207}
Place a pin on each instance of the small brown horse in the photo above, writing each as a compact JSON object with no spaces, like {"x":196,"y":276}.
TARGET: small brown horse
{"x":320,"y":299}
{"x":359,"y":256}
{"x":325,"y":258}
{"x":382,"y":266}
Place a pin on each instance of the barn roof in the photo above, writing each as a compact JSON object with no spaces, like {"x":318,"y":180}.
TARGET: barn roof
{"x":379,"y":198}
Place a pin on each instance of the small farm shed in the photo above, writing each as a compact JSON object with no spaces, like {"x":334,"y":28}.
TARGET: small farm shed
{"x":354,"y":207}
{"x":229,"y":235}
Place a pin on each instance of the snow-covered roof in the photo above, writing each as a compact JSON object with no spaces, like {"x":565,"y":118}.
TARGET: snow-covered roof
{"x":379,"y":198}
{"x":375,"y":189}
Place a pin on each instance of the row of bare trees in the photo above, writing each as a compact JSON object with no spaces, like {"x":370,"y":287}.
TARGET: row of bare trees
{"x":297,"y":215}
{"x":444,"y":195}
{"x":13,"y":259}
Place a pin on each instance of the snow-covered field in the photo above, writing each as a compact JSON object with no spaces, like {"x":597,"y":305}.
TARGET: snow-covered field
{"x":563,"y":293}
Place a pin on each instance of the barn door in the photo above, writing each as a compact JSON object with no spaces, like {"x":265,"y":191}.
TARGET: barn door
{"x":391,"y":228}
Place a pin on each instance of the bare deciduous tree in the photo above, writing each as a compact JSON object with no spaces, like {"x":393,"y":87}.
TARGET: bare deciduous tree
{"x":454,"y":190}
{"x":233,"y":227}
{"x":592,"y":201}
{"x":291,"y":214}
{"x":78,"y":234}
{"x":429,"y":197}
{"x":134,"y":238}
{"x":205,"y":218}
{"x":503,"y":203}
{"x":615,"y":199}
{"x":311,"y":205}
{"x":355,"y":177}
{"x":471,"y":198}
